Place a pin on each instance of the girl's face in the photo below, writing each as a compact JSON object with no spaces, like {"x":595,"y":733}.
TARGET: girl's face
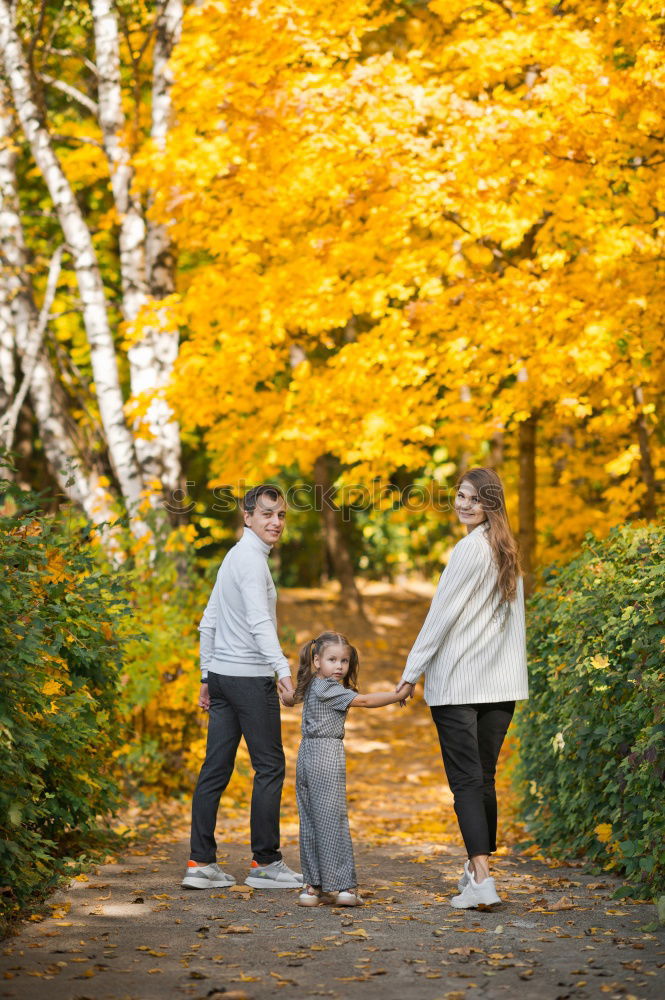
{"x":334,"y":661}
{"x":468,"y":507}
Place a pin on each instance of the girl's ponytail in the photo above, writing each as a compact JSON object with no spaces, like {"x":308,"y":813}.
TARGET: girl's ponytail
{"x":305,"y":669}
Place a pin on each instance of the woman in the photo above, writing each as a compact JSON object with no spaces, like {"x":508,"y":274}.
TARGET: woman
{"x":472,"y":651}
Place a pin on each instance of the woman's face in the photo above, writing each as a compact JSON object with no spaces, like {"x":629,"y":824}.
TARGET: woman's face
{"x":334,"y":661}
{"x":467,"y":505}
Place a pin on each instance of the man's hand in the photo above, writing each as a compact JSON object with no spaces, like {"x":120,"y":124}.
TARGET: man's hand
{"x":286,"y":691}
{"x":405,"y":690}
{"x":204,"y":698}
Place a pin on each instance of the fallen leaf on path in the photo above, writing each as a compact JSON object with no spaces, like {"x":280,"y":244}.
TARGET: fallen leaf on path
{"x":359,"y":932}
{"x":563,"y":904}
{"x":236,"y":929}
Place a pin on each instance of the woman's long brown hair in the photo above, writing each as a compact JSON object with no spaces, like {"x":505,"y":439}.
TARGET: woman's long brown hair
{"x":489,"y":488}
{"x":315,"y":647}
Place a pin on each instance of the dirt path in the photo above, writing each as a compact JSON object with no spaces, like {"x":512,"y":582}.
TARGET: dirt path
{"x":129,"y":932}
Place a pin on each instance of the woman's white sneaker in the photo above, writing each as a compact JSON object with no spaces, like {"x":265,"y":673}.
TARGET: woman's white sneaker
{"x":477,"y":895}
{"x":206,"y":877}
{"x":464,"y":877}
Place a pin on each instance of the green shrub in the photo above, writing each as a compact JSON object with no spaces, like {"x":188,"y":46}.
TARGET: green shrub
{"x":60,"y":651}
{"x":592,"y":735}
{"x":163,"y":729}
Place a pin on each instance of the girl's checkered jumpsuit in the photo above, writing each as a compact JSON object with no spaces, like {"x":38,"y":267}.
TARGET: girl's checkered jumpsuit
{"x":326,"y":851}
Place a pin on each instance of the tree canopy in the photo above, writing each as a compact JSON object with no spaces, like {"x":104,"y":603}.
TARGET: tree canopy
{"x":407,"y":237}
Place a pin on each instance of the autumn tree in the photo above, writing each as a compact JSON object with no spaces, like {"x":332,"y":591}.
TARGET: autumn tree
{"x":74,"y":111}
{"x":454,"y":217}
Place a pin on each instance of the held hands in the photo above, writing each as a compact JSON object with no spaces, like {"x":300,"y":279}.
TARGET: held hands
{"x":286,"y":691}
{"x":406,"y":691}
{"x":204,"y":698}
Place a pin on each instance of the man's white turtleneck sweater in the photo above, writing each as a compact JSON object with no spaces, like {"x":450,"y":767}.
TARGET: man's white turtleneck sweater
{"x":239,"y":625}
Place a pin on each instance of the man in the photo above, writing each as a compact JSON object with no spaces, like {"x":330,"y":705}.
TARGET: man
{"x":240,"y":656}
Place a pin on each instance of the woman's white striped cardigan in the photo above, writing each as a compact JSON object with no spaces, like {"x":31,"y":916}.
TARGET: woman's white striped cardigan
{"x":472,"y":646}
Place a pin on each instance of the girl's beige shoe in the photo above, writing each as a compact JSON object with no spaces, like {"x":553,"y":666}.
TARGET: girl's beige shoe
{"x":311,"y":897}
{"x":346,"y":898}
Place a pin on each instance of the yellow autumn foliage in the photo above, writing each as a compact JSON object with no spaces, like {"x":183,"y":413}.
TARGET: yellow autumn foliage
{"x":402,"y":233}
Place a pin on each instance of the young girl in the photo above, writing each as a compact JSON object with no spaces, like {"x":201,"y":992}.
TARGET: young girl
{"x":326,"y":684}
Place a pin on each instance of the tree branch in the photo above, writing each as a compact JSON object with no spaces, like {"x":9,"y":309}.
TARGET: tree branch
{"x":36,"y":35}
{"x":86,"y":140}
{"x":31,"y":355}
{"x":69,"y":53}
{"x":71,"y":91}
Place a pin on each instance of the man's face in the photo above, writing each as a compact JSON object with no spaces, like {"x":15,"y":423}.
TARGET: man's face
{"x":268,"y":519}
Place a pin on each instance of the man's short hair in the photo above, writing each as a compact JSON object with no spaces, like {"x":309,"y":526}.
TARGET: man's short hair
{"x":252,"y":497}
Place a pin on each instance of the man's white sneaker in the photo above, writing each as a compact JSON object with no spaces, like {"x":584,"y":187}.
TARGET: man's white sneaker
{"x":477,"y":895}
{"x":277,"y":875}
{"x":464,"y":877}
{"x":206,"y":877}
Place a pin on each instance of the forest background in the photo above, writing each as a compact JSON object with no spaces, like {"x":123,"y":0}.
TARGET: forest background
{"x":352,"y":247}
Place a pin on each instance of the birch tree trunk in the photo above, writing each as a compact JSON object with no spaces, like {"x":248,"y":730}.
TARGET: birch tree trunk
{"x":151,"y":358}
{"x":19,"y":319}
{"x":160,"y":256}
{"x":111,"y":119}
{"x":79,"y":243}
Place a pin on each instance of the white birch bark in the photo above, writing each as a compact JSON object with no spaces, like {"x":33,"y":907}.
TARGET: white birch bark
{"x":111,"y":119}
{"x":7,"y":173}
{"x":160,"y":261}
{"x":31,"y":351}
{"x":80,"y":246}
{"x":151,"y":358}
{"x":18,"y":323}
